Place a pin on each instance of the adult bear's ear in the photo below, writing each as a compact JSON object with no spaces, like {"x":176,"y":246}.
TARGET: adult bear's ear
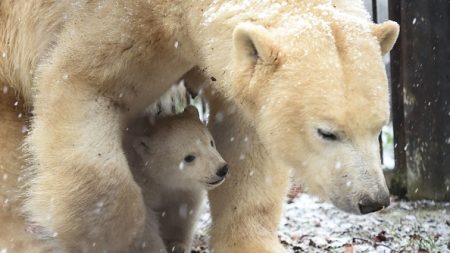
{"x":142,"y":146}
{"x":386,"y":33}
{"x":191,"y":111}
{"x":252,"y":43}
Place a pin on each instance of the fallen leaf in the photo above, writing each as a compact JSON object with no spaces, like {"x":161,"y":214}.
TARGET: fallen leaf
{"x":348,"y":248}
{"x":437,"y":236}
{"x":297,"y":249}
{"x":284,"y":242}
{"x":294,"y":192}
{"x":415,"y":237}
{"x":381,"y":237}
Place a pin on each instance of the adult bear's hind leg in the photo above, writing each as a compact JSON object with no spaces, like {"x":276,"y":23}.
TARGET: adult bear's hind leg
{"x":246,"y":209}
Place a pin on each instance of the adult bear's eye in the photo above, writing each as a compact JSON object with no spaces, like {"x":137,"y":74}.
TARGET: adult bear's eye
{"x":212,"y":144}
{"x":329,"y":136}
{"x":189,"y":158}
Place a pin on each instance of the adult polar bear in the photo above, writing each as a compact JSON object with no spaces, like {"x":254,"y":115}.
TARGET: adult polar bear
{"x":305,"y":87}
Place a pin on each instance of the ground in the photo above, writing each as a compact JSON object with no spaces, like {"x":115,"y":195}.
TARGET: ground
{"x":312,"y":226}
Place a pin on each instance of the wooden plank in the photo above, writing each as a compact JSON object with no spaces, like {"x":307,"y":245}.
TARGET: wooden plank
{"x":397,"y":181}
{"x":424,"y":73}
{"x":374,"y":11}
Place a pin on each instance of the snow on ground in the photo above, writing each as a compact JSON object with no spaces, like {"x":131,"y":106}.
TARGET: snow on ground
{"x":308,"y":225}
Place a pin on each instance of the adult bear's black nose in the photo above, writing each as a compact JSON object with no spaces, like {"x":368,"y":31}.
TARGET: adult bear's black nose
{"x":369,"y":205}
{"x":222,"y":172}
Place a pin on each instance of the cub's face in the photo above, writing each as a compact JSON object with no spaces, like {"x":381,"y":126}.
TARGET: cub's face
{"x":321,"y":99}
{"x":181,"y":153}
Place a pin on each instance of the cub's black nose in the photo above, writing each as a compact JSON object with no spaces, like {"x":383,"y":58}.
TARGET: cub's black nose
{"x":222,"y":171}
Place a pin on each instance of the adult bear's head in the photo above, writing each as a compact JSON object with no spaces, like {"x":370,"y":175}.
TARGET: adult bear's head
{"x":318,"y":88}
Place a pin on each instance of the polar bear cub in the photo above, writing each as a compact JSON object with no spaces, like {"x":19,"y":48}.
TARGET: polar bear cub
{"x":173,"y":160}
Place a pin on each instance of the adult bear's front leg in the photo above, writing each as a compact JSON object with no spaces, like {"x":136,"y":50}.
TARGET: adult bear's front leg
{"x":81,"y":191}
{"x":246,"y":209}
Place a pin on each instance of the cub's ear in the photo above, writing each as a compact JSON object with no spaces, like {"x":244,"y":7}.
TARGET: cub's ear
{"x":142,"y":146}
{"x":253,"y":42}
{"x":386,"y":33}
{"x":192,"y":111}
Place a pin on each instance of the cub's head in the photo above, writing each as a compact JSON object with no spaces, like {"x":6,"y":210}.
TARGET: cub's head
{"x":320,"y":95}
{"x":180,"y":153}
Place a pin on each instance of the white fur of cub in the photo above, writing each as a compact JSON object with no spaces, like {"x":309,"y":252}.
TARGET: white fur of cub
{"x":173,"y":160}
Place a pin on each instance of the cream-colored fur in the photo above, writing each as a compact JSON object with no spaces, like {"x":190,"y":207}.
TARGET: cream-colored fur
{"x":173,"y":187}
{"x":13,"y":128}
{"x":286,"y":74}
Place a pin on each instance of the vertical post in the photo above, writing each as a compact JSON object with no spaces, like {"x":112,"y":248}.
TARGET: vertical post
{"x":374,"y":11}
{"x":425,"y":75}
{"x":398,"y":180}
{"x":375,"y":20}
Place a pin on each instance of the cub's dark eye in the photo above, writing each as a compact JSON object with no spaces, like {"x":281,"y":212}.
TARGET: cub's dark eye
{"x":144,"y":145}
{"x":212,"y":144}
{"x":327,"y":135}
{"x":189,"y":158}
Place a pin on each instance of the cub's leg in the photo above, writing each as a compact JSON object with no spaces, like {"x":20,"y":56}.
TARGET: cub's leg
{"x":151,"y":240}
{"x":246,"y":209}
{"x":82,"y":192}
{"x":178,"y":222}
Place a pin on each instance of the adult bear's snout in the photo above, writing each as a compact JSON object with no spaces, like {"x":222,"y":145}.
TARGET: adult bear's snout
{"x":369,"y":205}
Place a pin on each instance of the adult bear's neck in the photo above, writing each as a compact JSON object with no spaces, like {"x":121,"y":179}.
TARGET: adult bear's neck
{"x":207,"y":32}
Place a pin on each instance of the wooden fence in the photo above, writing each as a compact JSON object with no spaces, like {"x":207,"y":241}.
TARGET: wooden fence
{"x":420,"y":79}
